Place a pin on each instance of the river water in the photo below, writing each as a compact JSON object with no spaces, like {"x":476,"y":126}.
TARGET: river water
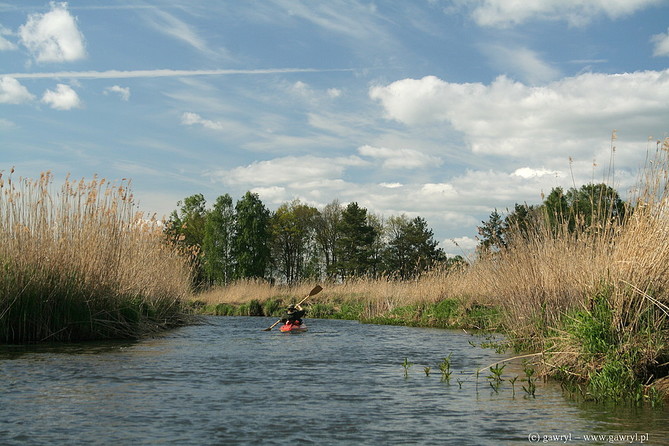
{"x":228,"y":382}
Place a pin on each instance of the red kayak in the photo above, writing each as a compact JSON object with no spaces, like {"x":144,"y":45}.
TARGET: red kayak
{"x":293,"y":327}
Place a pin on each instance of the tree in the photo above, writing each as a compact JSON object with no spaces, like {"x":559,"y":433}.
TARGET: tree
{"x":584,"y":207}
{"x":250,"y":242}
{"x":595,"y":204}
{"x":354,"y":247}
{"x":520,"y":223}
{"x":492,"y":233}
{"x":185,"y":228}
{"x":327,"y":234}
{"x":217,"y":243}
{"x":293,"y":227}
{"x":411,"y":248}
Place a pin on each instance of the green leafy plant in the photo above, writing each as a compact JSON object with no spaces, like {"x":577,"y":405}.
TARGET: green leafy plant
{"x":407,"y":365}
{"x":531,"y":386}
{"x":445,"y":368}
{"x":513,"y":384}
{"x":495,"y":378}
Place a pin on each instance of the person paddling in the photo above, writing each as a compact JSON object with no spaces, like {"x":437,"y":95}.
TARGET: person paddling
{"x":296,"y":312}
{"x":294,"y":315}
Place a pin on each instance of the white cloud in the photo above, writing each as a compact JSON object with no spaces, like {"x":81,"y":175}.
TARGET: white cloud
{"x":178,"y":29}
{"x":120,"y":74}
{"x":53,"y":36}
{"x":12,"y":92}
{"x":298,"y":172}
{"x":661,"y":42}
{"x":334,"y":92}
{"x":566,"y":117}
{"x":439,"y":190}
{"x":6,"y":45}
{"x":505,"y":13}
{"x":391,"y":185}
{"x":528,"y":172}
{"x":271,"y":194}
{"x":302,"y":89}
{"x":399,"y":158}
{"x":189,"y":118}
{"x":64,"y":98}
{"x":6,"y":124}
{"x":522,"y":62}
{"x":123,"y":92}
{"x":462,"y":246}
{"x":192,"y":119}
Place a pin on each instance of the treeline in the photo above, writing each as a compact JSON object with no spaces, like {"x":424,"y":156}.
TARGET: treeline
{"x":590,"y":207}
{"x":297,"y":242}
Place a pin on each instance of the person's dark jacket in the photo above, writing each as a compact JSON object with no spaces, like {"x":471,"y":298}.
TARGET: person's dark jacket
{"x":293,"y":315}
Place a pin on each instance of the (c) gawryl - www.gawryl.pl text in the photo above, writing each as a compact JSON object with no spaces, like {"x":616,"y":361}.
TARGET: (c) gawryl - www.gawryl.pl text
{"x":634,"y":438}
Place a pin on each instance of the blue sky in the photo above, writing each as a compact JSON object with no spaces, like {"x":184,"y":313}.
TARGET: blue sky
{"x":445,"y":109}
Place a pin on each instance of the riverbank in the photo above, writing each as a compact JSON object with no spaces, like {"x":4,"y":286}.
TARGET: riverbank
{"x":78,"y":263}
{"x":374,"y":302}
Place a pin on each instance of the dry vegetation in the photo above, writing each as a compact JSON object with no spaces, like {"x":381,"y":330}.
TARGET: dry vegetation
{"x":79,"y":263}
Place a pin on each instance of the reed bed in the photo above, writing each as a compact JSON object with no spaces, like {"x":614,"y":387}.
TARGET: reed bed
{"x":595,"y":300}
{"x":80,"y":263}
{"x":383,"y":293}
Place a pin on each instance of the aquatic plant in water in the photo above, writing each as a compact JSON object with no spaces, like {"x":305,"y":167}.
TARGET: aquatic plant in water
{"x":445,"y":367}
{"x":531,"y":386}
{"x":495,"y":379}
{"x":407,"y":365}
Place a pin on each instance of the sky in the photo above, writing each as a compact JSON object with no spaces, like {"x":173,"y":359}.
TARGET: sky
{"x":443,"y":109}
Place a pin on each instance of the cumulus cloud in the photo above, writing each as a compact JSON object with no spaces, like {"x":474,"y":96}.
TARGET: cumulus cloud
{"x":12,"y":92}
{"x":528,"y":172}
{"x":661,"y":42}
{"x":505,"y":13}
{"x":53,"y":36}
{"x":399,"y":158}
{"x":510,"y":118}
{"x":63,"y":98}
{"x":459,"y":246}
{"x":123,"y":92}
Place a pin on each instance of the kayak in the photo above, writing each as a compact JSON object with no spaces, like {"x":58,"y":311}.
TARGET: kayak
{"x":293,"y":328}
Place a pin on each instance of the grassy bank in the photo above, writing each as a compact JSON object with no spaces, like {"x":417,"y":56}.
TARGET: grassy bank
{"x":368,"y":301}
{"x":379,"y":301}
{"x":78,"y":264}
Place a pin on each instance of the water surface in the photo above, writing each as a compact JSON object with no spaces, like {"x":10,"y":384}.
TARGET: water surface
{"x":228,"y":382}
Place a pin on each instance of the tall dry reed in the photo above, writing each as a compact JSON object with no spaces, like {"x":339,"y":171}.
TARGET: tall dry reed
{"x":81,"y":263}
{"x":596,"y":294}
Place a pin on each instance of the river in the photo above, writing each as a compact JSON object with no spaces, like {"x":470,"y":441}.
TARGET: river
{"x":228,"y":382}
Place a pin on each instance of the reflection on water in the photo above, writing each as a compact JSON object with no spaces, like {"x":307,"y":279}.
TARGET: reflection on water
{"x":229,"y":382}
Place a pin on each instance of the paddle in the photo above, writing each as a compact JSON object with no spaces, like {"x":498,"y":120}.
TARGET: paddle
{"x":317,"y":289}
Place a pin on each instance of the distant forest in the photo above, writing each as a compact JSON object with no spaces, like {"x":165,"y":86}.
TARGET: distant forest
{"x":244,"y":240}
{"x":229,"y":242}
